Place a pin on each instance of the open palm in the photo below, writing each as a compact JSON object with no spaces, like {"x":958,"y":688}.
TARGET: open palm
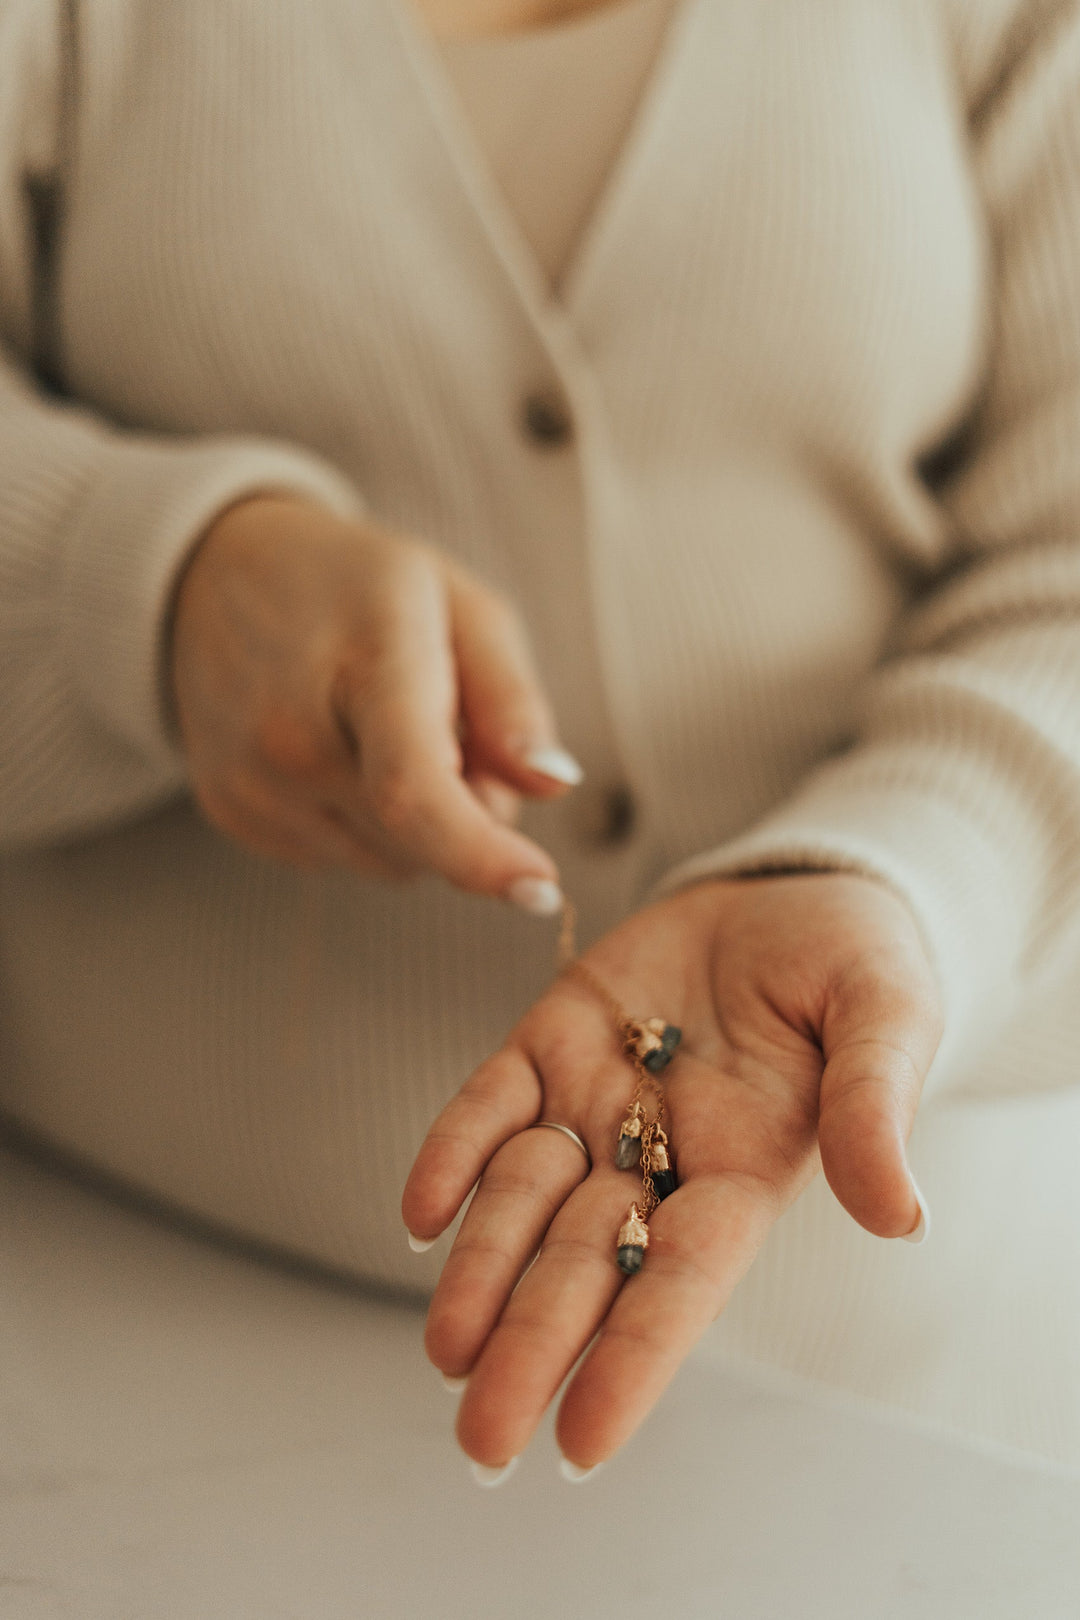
{"x":809,"y":1017}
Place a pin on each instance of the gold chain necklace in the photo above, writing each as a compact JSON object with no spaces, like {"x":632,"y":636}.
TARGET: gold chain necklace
{"x":650,"y":1045}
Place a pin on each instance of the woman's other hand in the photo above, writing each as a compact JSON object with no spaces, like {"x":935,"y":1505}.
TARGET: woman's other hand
{"x":348,"y":696}
{"x":809,"y":1016}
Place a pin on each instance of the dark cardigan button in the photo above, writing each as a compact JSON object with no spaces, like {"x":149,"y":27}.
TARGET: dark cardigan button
{"x":618,"y":816}
{"x":547,"y":421}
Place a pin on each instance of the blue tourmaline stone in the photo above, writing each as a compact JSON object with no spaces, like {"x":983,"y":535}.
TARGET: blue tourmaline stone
{"x":628,"y":1152}
{"x":664,"y":1183}
{"x":669,"y":1040}
{"x":630,"y":1257}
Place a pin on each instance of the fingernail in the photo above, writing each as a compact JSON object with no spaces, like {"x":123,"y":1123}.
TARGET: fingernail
{"x":539,"y":896}
{"x":556,"y":763}
{"x":454,"y":1385}
{"x":420,"y":1245}
{"x":490,"y":1477}
{"x":573,"y":1473}
{"x":921,"y":1230}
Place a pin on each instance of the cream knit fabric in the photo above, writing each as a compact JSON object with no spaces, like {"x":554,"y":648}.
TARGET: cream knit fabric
{"x":806,"y":580}
{"x":550,"y":109}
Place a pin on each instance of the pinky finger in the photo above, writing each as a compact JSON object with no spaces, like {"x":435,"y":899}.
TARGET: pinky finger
{"x":502,"y":1098}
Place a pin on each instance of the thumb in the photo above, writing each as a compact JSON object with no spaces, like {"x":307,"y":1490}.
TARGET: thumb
{"x":509,"y":728}
{"x":881,"y":1029}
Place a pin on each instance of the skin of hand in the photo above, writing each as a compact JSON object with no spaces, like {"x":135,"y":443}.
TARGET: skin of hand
{"x":348,"y":696}
{"x":810,"y":1015}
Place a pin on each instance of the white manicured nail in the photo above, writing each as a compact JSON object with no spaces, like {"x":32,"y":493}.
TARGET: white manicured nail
{"x":556,"y":763}
{"x":921,"y":1230}
{"x":454,"y":1385}
{"x":421,"y":1245}
{"x":573,"y":1473}
{"x":490,"y":1477}
{"x":539,"y":896}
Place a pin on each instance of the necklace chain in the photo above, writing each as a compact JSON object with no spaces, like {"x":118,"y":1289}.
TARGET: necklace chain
{"x":630,"y":1031}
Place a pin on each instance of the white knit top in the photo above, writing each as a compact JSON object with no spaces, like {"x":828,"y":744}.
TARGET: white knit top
{"x":551,"y":109}
{"x":804,"y":584}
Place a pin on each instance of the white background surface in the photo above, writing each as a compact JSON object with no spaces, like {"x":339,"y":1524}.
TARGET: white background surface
{"x":188,"y":1434}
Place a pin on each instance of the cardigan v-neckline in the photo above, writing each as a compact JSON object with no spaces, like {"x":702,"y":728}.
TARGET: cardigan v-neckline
{"x":551,"y":107}
{"x":480,"y":186}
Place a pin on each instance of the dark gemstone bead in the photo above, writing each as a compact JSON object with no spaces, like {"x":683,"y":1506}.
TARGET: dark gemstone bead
{"x":628,"y":1152}
{"x":664,"y":1183}
{"x":660,"y":1058}
{"x":630,"y":1257}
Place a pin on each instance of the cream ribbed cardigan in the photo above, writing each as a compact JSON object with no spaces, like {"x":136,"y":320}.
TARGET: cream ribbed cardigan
{"x":806,"y":579}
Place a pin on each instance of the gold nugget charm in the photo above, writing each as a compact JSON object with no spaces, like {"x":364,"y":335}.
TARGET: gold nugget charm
{"x":652,"y":1042}
{"x":633,"y":1241}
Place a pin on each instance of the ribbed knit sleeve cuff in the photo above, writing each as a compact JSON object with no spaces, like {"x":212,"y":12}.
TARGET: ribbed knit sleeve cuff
{"x":127,"y":545}
{"x":968,"y":881}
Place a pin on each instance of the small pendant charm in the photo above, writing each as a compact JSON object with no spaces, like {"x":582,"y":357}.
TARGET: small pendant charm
{"x":654,"y":1042}
{"x":628,"y":1149}
{"x":660,"y":1171}
{"x":633,"y":1241}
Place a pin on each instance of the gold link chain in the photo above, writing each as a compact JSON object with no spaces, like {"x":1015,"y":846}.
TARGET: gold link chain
{"x":629,"y":1031}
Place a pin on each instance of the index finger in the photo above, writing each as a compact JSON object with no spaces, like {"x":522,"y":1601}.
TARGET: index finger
{"x":405,"y":726}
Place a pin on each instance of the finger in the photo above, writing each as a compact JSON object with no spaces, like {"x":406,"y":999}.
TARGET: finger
{"x":548,"y":1321}
{"x":338,"y":788}
{"x":325,"y":805}
{"x":500,"y":1099}
{"x":520,"y":1192}
{"x":420,"y":800}
{"x":308,"y":764}
{"x":367,"y":837}
{"x":278,"y":830}
{"x":410,"y":759}
{"x":509,"y":725}
{"x":311,"y":767}
{"x":319,"y":829}
{"x":701,"y":1242}
{"x":880,"y":1032}
{"x":498,"y":800}
{"x":254,"y":832}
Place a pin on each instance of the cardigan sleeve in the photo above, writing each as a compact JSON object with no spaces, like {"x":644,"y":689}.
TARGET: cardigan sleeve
{"x":95,"y":525}
{"x":961,"y":787}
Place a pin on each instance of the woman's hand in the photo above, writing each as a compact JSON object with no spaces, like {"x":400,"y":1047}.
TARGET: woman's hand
{"x":809,"y":1017}
{"x":348,"y":696}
